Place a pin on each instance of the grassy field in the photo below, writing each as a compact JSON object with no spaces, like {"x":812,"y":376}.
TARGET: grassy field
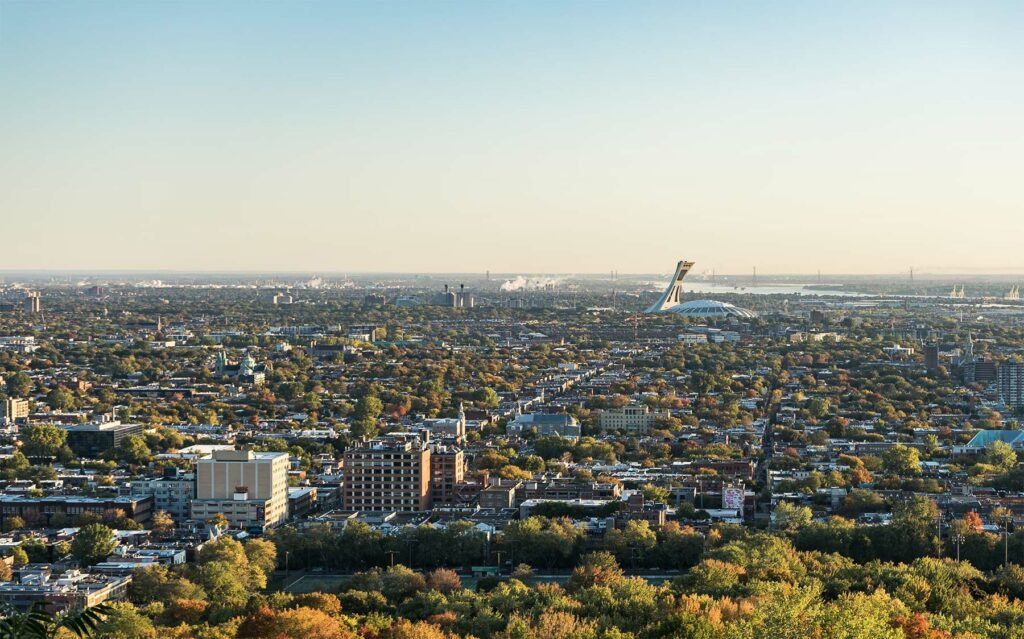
{"x":311,"y":582}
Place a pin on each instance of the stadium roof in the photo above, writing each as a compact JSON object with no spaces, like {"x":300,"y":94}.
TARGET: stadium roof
{"x":710,"y":309}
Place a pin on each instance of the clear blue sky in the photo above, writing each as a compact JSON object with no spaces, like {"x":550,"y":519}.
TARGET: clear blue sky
{"x":512,"y":136}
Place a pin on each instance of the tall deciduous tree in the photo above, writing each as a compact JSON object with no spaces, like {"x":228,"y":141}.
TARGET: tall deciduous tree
{"x":93,"y":544}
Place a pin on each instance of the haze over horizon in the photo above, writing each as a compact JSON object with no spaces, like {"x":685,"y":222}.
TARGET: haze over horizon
{"x":569,"y":137}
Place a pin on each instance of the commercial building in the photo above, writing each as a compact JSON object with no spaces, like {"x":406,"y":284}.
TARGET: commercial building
{"x":391,"y":473}
{"x":250,"y":489}
{"x":41,"y":511}
{"x":634,"y":418}
{"x":13,"y":411}
{"x":1010,"y":381}
{"x":92,"y":440}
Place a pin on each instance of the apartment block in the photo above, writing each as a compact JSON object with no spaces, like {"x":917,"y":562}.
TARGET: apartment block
{"x":1010,"y":381}
{"x":13,"y":411}
{"x":447,"y":471}
{"x":391,"y":473}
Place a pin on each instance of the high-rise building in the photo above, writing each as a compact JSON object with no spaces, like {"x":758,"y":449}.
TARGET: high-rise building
{"x":32,"y":303}
{"x":931,"y":356}
{"x":1010,"y":381}
{"x":388,"y":474}
{"x":979,"y":371}
{"x":250,"y":489}
{"x":13,"y":411}
{"x":455,"y":299}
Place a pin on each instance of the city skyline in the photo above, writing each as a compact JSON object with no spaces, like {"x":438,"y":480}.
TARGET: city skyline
{"x":574,"y":137}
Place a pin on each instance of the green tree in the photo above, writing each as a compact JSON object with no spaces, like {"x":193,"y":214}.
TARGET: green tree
{"x":655,"y":493}
{"x":44,"y":440}
{"x":901,"y":460}
{"x":124,"y":621}
{"x":1001,"y":455}
{"x":262,"y":554}
{"x":60,"y":398}
{"x":13,"y":522}
{"x":158,"y":583}
{"x":133,"y":450}
{"x":790,"y":517}
{"x":487,"y":397}
{"x":93,"y":544}
{"x":20,"y":556}
{"x":18,"y":384}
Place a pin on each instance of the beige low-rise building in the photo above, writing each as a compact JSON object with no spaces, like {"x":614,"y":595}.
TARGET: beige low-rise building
{"x":634,"y":418}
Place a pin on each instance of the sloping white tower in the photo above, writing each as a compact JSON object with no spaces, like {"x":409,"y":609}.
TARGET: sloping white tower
{"x":670,"y":297}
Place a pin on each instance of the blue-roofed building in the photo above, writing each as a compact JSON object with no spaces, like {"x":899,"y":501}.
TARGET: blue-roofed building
{"x":984,"y":438}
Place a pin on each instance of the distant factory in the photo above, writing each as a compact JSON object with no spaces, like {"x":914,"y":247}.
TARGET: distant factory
{"x":455,"y":299}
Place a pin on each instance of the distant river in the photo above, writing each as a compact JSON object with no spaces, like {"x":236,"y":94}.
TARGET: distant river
{"x":767,"y":289}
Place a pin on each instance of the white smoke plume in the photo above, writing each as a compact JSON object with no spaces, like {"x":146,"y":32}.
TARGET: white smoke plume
{"x":529,"y":284}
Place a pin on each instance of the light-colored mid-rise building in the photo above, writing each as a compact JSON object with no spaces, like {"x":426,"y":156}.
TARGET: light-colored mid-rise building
{"x":250,"y":489}
{"x":13,"y":410}
{"x":634,"y":418}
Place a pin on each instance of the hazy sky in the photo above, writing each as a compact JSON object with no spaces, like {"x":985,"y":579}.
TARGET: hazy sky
{"x":546,"y":136}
